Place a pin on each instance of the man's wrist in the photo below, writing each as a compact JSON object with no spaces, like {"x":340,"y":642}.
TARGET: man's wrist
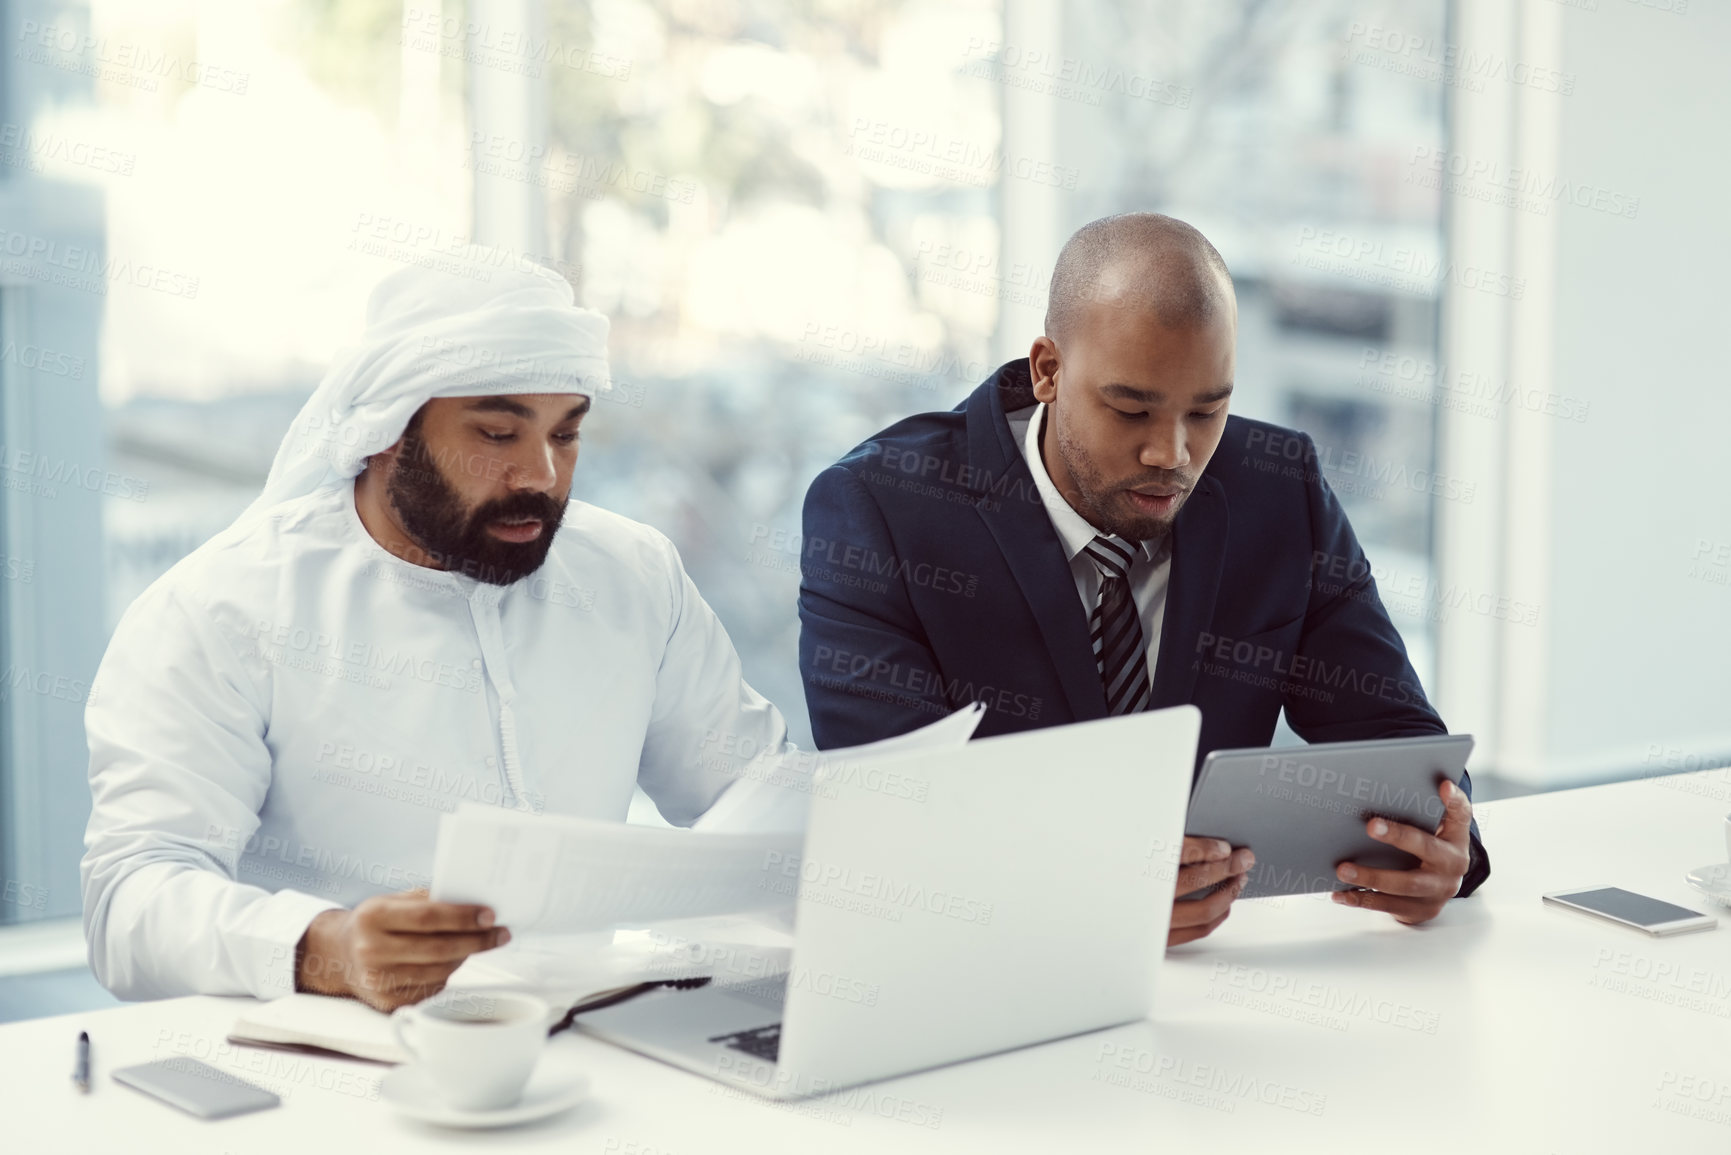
{"x":318,"y":957}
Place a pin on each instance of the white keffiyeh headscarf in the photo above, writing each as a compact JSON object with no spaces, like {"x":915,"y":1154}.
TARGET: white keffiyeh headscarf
{"x":434,"y":334}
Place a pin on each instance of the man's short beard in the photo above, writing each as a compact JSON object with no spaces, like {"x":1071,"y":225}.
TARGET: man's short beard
{"x":455,"y":538}
{"x":1094,"y":492}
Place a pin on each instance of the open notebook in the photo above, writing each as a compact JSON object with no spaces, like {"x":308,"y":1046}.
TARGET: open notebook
{"x":320,"y":1023}
{"x":570,"y":975}
{"x":305,"y":1022}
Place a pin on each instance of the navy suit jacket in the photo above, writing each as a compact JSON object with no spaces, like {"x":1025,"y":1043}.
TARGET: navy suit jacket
{"x":931,"y":577}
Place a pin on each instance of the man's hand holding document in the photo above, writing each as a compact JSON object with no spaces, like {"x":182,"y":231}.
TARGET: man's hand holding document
{"x":566,"y":884}
{"x":566,"y":875}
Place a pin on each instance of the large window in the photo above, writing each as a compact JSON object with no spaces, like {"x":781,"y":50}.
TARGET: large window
{"x":1308,"y":152}
{"x":793,"y":213}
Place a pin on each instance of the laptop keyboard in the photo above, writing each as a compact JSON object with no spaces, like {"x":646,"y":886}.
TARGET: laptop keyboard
{"x":762,"y":1042}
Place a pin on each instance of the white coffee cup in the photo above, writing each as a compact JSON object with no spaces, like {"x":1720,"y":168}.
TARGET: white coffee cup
{"x":477,"y":1049}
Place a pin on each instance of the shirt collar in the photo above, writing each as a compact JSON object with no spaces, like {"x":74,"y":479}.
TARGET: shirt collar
{"x":1074,"y":530}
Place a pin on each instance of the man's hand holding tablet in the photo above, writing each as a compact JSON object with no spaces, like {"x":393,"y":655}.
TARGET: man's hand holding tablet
{"x":1206,"y":863}
{"x":1384,"y":824}
{"x":1419,"y":894}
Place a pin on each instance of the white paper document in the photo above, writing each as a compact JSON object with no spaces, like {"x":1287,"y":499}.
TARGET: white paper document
{"x":573,"y":875}
{"x":567,"y":875}
{"x":774,"y":793}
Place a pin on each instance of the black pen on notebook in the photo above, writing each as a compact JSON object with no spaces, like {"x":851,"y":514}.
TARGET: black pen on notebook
{"x":81,"y":1064}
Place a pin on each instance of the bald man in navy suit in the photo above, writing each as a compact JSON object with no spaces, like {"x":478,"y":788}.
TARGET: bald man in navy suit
{"x":1090,"y":534}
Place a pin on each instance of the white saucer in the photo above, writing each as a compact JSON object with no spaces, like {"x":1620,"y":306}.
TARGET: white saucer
{"x":1712,"y":880}
{"x":554,"y":1086}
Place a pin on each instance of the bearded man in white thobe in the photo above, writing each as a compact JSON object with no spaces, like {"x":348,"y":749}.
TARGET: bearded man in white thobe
{"x":412,"y":615}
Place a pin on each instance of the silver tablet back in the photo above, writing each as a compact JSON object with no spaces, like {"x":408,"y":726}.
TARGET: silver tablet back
{"x":1303,"y":809}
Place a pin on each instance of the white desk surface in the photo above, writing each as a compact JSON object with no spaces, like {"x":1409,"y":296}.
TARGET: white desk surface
{"x":1299,"y":1026}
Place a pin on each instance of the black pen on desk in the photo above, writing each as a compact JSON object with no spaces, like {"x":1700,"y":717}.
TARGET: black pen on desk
{"x":81,"y":1064}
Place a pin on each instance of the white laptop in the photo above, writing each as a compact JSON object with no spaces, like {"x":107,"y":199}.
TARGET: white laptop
{"x":952,"y":903}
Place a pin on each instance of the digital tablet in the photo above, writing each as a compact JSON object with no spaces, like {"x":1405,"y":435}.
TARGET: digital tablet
{"x":1303,"y":809}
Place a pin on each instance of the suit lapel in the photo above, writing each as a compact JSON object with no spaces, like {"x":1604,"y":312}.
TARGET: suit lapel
{"x":1198,"y":553}
{"x":1011,"y":508}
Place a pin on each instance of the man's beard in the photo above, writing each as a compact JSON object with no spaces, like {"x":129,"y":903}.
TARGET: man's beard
{"x":1105,"y":513}
{"x":455,"y":538}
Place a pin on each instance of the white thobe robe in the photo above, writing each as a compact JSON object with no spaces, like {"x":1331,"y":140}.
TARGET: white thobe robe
{"x":280,"y":721}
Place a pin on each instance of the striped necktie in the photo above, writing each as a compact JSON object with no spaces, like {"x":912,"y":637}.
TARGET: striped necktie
{"x":1116,"y":627}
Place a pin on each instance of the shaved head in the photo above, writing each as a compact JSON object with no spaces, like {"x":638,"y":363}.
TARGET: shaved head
{"x":1135,"y":370}
{"x":1144,"y":262}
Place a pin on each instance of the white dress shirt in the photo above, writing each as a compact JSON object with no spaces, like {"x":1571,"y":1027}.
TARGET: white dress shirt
{"x":1150,"y":570}
{"x":281,"y":719}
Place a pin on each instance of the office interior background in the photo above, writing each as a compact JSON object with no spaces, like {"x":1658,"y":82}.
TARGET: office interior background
{"x":1478,"y":245}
